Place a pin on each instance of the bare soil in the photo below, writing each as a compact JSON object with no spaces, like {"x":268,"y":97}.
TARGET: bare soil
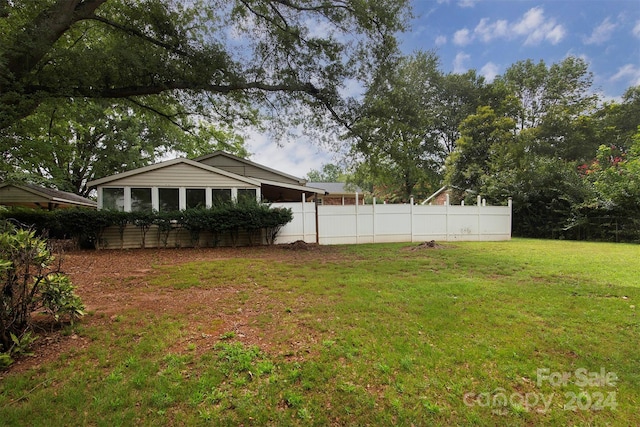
{"x":113,"y":282}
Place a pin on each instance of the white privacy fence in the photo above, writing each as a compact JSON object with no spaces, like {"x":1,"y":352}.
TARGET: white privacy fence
{"x":395,"y":223}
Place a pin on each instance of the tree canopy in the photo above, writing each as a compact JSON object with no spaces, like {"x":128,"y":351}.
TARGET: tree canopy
{"x":66,"y":144}
{"x":221,"y":59}
{"x":93,"y":87}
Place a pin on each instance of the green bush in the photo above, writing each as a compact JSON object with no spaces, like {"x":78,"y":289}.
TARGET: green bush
{"x":87,"y":226}
{"x":28,"y":283}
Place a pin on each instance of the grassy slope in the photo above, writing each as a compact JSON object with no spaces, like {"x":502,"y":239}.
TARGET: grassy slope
{"x":390,"y":337}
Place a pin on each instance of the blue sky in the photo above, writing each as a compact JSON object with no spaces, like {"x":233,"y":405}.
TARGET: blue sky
{"x":491,"y":35}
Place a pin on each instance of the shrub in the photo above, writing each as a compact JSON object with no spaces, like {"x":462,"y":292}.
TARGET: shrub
{"x":87,"y":226}
{"x":29,"y":283}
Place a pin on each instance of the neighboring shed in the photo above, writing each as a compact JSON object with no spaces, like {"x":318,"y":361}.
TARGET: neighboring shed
{"x":336,"y":193}
{"x":34,"y":196}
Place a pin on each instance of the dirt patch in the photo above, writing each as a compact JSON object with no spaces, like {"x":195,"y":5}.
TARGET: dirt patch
{"x":425,"y":245}
{"x":113,"y":282}
{"x":299,"y":245}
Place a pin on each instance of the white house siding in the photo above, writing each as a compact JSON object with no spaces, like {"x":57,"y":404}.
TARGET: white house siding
{"x":179,"y":175}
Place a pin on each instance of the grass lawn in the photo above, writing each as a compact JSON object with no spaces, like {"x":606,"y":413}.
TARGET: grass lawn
{"x":524,"y":332}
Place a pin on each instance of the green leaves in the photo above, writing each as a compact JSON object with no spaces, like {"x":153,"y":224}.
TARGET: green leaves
{"x":58,"y":298}
{"x":226,"y":59}
{"x":28,"y":282}
{"x":88,"y":226}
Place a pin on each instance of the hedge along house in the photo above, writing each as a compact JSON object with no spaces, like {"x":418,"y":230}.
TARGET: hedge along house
{"x":181,"y":184}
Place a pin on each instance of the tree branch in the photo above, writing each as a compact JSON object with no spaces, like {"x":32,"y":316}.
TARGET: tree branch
{"x":159,"y":113}
{"x":140,"y":34}
{"x":34,"y":41}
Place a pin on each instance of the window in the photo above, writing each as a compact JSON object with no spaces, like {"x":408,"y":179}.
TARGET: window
{"x":196,"y":198}
{"x":141,"y":199}
{"x":169,"y":199}
{"x":246,"y":195}
{"x":220,"y":195}
{"x":113,"y":199}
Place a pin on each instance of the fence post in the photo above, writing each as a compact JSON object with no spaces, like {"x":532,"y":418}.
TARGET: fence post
{"x":357,"y":220}
{"x":411,"y":214}
{"x":373,"y":224}
{"x":510,"y":204}
{"x":304,"y":218}
{"x":479,"y":215}
{"x":446,"y":203}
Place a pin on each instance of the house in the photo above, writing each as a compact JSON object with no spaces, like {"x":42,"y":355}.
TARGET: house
{"x":37,"y":197}
{"x":337,"y":193}
{"x":182,"y":183}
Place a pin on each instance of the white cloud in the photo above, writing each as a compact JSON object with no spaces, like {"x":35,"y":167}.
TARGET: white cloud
{"x":533,"y":26}
{"x":531,"y":20}
{"x":462,"y":37}
{"x":636,"y":30}
{"x":294,"y":158}
{"x":489,"y":71}
{"x":601,"y":33}
{"x":628,"y":72}
{"x":488,"y":31}
{"x":458,"y":63}
{"x":467,"y":3}
{"x":441,"y":41}
{"x":536,"y":28}
{"x":556,"y":34}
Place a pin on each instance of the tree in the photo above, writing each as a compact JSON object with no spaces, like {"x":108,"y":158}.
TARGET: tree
{"x":616,"y":175}
{"x":328,"y":173}
{"x":616,"y":123}
{"x":486,"y":140}
{"x":223,"y":59}
{"x":552,"y":100}
{"x":395,"y":139}
{"x":458,"y":97}
{"x":67,"y":144}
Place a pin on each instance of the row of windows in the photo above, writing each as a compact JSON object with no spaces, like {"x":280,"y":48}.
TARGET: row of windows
{"x":169,"y":198}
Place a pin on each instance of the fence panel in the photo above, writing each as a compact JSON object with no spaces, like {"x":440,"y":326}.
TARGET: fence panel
{"x":303,"y":225}
{"x":411,"y":223}
{"x":350,"y":224}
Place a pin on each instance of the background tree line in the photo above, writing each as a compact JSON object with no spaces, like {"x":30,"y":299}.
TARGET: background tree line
{"x":538,"y":133}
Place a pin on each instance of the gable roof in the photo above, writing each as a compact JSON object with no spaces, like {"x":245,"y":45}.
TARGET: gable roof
{"x":53,"y":196}
{"x":335,"y":187}
{"x":220,"y":153}
{"x":436,"y":194}
{"x":169,"y":163}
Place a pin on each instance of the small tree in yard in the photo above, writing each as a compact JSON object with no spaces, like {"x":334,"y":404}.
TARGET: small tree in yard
{"x":28,"y":283}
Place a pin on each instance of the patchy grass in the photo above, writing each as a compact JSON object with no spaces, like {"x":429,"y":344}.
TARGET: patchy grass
{"x":472,"y":333}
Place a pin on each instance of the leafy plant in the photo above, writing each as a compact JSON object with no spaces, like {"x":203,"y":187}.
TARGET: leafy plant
{"x":59,"y":298}
{"x":28,"y":282}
